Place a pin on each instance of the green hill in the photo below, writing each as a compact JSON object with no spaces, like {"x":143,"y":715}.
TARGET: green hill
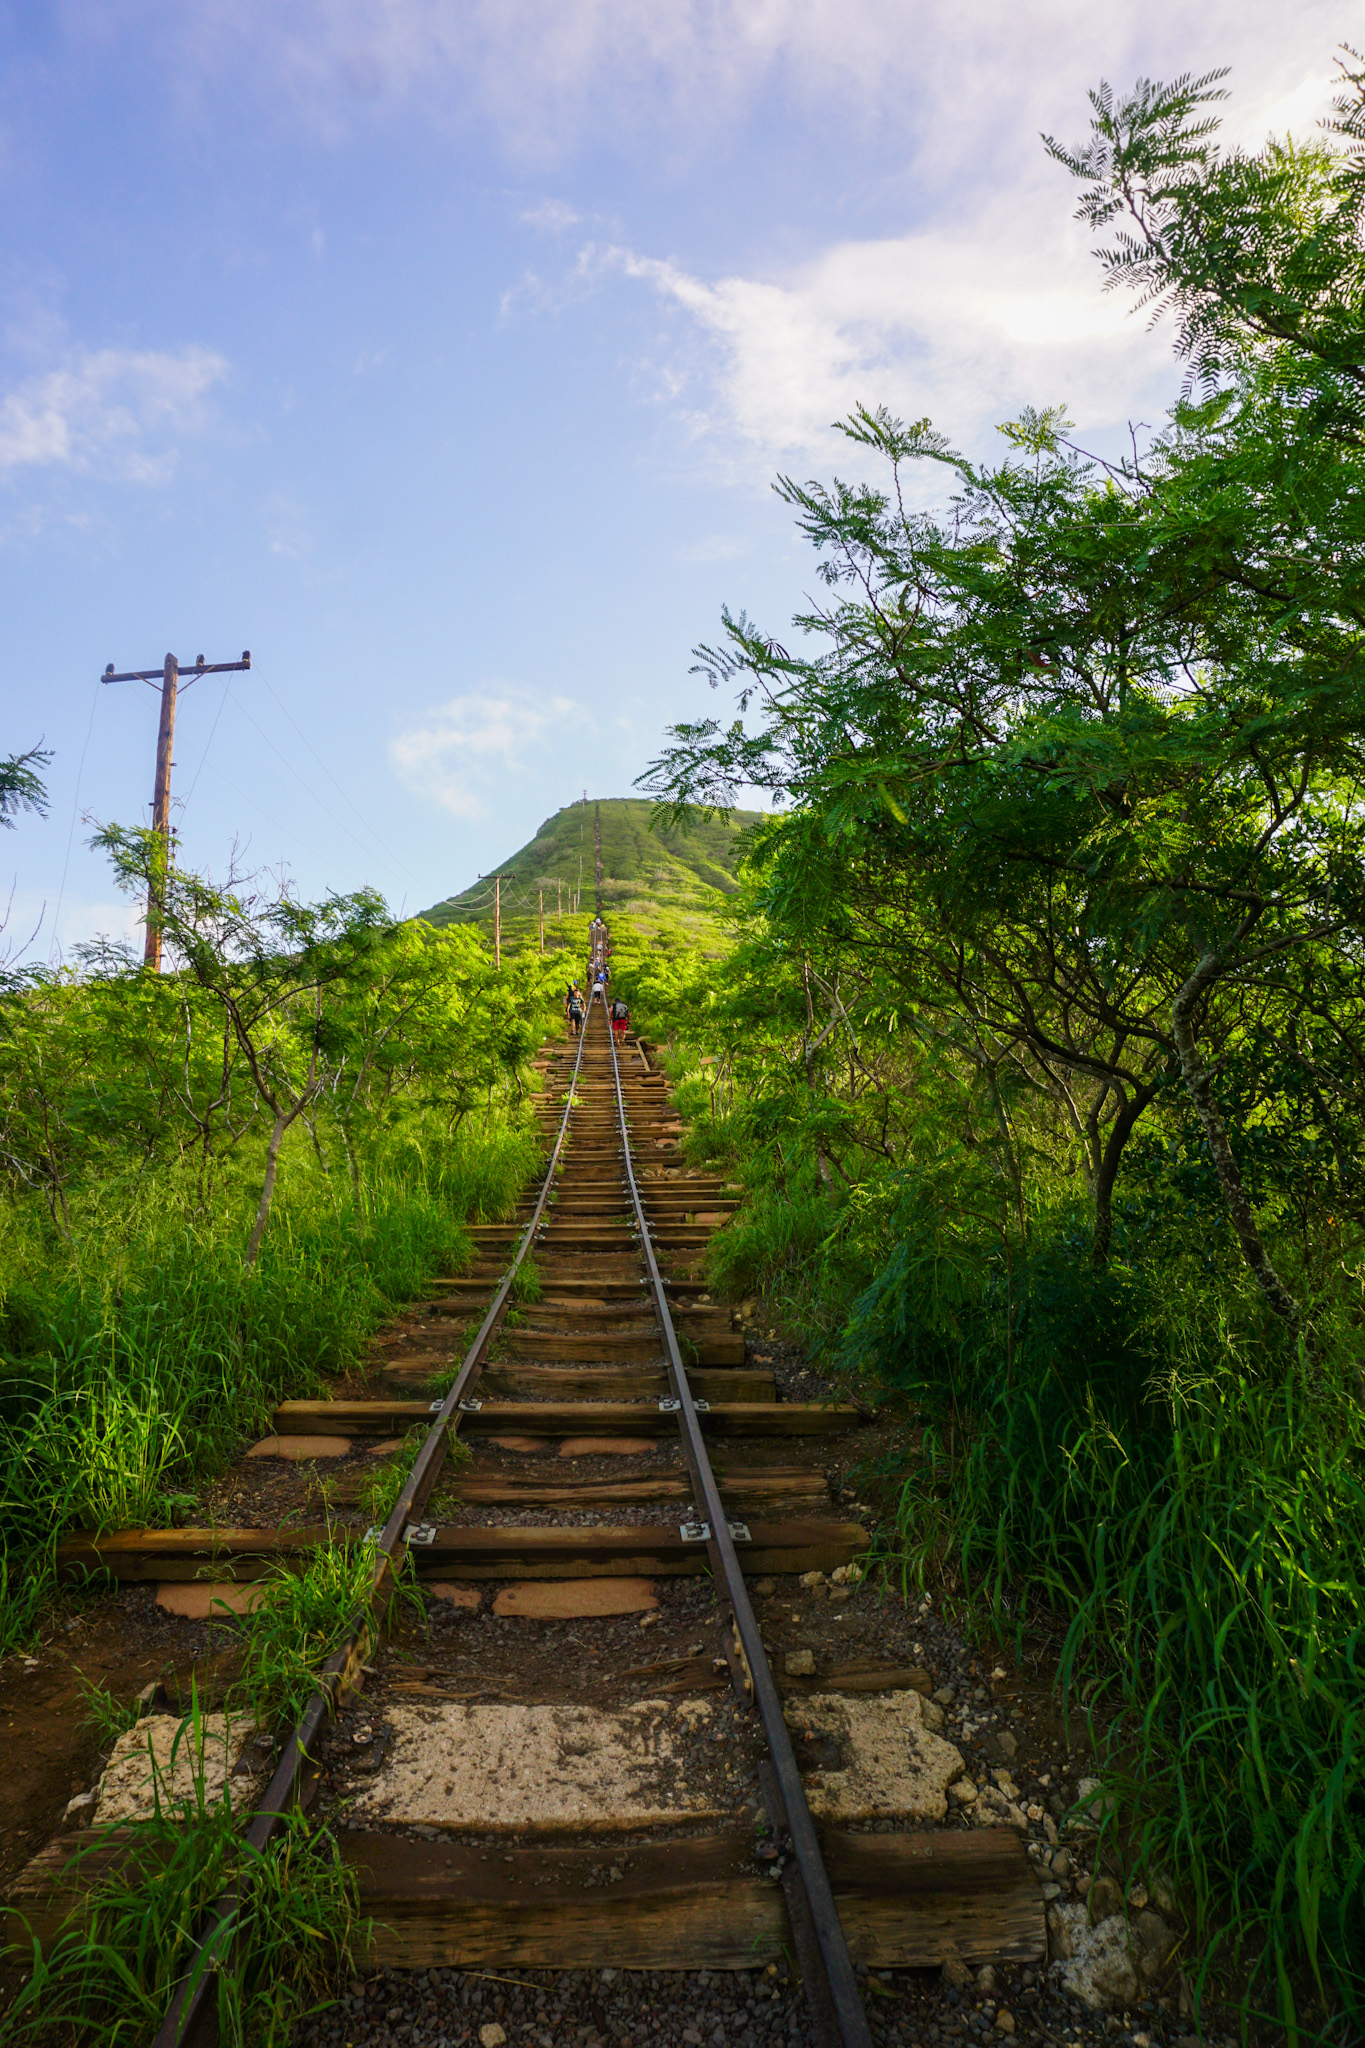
{"x":669,"y":882}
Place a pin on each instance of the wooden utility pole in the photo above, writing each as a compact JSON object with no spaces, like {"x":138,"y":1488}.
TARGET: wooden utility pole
{"x":172,"y":678}
{"x":497,"y":881}
{"x":541,"y":894}
{"x":559,"y":912}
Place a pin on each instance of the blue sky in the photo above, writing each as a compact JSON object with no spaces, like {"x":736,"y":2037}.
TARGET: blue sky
{"x":442,"y":352}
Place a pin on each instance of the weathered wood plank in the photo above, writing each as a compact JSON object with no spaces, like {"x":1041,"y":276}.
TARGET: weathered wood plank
{"x":909,"y":1901}
{"x":137,"y":1555}
{"x":709,"y":1347}
{"x":682,"y":1675}
{"x":861,"y":1675}
{"x":564,"y":1418}
{"x":740,"y":1490}
{"x":731,"y":1383}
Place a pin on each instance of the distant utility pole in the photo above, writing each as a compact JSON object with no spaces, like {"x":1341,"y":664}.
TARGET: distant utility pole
{"x":597,"y":854}
{"x":541,"y":894}
{"x":172,"y":678}
{"x":559,"y":884}
{"x":498,"y":881}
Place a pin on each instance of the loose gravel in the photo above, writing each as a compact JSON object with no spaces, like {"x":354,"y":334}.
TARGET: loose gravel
{"x":719,"y":2009}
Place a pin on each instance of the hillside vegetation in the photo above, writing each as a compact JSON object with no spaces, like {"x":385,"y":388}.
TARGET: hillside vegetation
{"x":1042,"y":1045}
{"x":671,"y":882}
{"x":215,"y":1182}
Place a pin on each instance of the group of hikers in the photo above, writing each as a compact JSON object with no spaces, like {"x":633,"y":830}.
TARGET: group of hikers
{"x":598,"y":976}
{"x":576,"y":1005}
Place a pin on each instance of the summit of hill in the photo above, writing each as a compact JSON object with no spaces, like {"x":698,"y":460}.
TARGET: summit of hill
{"x":664,"y":877}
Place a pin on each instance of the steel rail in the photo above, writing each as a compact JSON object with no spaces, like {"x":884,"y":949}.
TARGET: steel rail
{"x":191,"y":2019}
{"x":840,"y":1983}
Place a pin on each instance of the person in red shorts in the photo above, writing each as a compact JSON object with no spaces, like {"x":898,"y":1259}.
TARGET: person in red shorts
{"x":620,"y":1017}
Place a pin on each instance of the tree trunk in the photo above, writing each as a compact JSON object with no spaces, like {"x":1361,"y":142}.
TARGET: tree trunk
{"x":272,"y":1160}
{"x":352,"y":1163}
{"x":1107,"y":1172}
{"x":1198,"y":1086}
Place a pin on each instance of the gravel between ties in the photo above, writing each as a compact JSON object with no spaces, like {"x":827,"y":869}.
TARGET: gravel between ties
{"x":712,"y":2009}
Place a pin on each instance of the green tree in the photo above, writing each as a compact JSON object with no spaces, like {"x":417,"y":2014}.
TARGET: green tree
{"x":1085,"y":752}
{"x":279,"y":973}
{"x":21,"y":786}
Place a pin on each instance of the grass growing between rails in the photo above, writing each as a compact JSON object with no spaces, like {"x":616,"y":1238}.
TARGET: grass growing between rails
{"x":380,"y":1491}
{"x":300,"y":1619}
{"x":293,"y":1934}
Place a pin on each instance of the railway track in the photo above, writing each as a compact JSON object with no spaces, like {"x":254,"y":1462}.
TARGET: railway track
{"x":528,"y":1780}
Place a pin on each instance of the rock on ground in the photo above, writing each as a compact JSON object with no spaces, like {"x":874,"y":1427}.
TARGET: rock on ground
{"x":890,"y":1766}
{"x":1094,"y":1964}
{"x":160,"y":1760}
{"x":504,"y":1768}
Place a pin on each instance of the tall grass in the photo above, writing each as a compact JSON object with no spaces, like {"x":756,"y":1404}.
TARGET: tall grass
{"x":1137,"y":1452}
{"x":774,"y":1246}
{"x":300,"y":1619}
{"x":1135,"y":1455}
{"x":1212,"y":1576}
{"x":106,"y":1980}
{"x":137,"y":1353}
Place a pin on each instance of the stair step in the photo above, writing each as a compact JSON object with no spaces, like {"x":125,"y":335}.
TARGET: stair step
{"x":139,"y":1555}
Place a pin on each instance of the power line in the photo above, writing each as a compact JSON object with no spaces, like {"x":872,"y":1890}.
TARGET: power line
{"x":289,"y":832}
{"x":185,"y":800}
{"x":284,"y":758}
{"x":171,"y":686}
{"x":402,"y":868}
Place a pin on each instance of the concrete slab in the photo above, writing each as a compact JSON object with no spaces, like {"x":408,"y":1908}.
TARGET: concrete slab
{"x":573,"y":1599}
{"x":199,"y":1599}
{"x":500,"y":1769}
{"x":300,"y":1447}
{"x":159,"y":1759}
{"x":606,"y":1446}
{"x":890,"y":1766}
{"x":468,"y":1597}
{"x":517,"y":1443}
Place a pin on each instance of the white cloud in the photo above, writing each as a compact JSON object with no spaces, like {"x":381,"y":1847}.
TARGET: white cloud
{"x":713,"y":548}
{"x":962,"y":327}
{"x":111,"y":411}
{"x":552,"y":214}
{"x":288,"y":532}
{"x":463,"y":749}
{"x":27,"y":932}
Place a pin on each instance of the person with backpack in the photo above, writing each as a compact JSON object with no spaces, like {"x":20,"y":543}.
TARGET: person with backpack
{"x":620,"y":1017}
{"x":575,"y":1007}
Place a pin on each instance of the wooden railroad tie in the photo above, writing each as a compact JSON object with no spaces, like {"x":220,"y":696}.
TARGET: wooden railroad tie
{"x":907,"y":1900}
